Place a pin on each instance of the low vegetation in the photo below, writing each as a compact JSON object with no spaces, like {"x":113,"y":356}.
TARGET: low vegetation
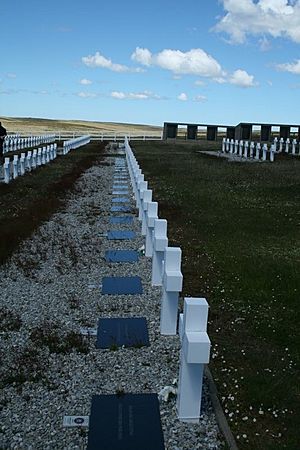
{"x":237,"y":226}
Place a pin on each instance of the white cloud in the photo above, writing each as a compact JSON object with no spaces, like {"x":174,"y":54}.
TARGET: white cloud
{"x":11,"y":75}
{"x":290,"y":67}
{"x":85,"y":81}
{"x":242,"y":78}
{"x":183,"y":97}
{"x":200,"y":98}
{"x":277,"y":18}
{"x":98,"y":60}
{"x":199,"y":83}
{"x":145,"y":95}
{"x":193,"y":62}
{"x":86,"y":95}
{"x":142,"y":56}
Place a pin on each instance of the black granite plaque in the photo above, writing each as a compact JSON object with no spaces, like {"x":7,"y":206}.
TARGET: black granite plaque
{"x":128,"y":331}
{"x":125,"y":422}
{"x":121,"y":208}
{"x":119,"y":192}
{"x":121,"y":219}
{"x":121,"y":285}
{"x":118,"y":235}
{"x":120,"y":199}
{"x":121,"y":256}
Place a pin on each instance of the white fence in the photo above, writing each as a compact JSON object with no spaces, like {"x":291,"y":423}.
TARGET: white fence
{"x":166,"y":272}
{"x":103,"y":136}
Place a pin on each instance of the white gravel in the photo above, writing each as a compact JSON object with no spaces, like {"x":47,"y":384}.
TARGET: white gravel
{"x":45,"y":285}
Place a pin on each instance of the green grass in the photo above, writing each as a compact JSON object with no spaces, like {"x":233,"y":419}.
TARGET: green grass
{"x":238,"y":227}
{"x":29,"y":200}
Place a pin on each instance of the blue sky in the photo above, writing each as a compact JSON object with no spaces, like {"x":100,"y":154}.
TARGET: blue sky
{"x":205,"y":61}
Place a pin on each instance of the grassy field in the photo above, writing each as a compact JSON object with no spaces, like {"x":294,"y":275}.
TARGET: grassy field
{"x":28,"y":125}
{"x":29,"y":200}
{"x":238,"y":227}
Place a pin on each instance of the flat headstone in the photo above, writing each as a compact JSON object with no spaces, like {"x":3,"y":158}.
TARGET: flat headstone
{"x":119,"y":192}
{"x":121,"y":256}
{"x":121,"y":209}
{"x":128,"y":331}
{"x":122,"y":285}
{"x":117,"y":235}
{"x":120,"y":200}
{"x":125,"y":422}
{"x":121,"y":219}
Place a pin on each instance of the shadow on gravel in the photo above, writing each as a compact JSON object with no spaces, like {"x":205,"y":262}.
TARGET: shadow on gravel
{"x":30,"y":200}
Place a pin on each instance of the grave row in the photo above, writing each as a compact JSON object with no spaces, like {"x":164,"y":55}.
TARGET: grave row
{"x":133,"y":420}
{"x":242,"y":149}
{"x":258,"y":151}
{"x":14,"y":143}
{"x":38,"y":157}
{"x":72,"y":144}
{"x":27,"y":162}
{"x":166,"y":272}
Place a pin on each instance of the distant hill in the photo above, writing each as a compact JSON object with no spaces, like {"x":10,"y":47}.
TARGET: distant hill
{"x":41,"y":126}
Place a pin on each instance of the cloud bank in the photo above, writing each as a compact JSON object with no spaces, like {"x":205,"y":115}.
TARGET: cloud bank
{"x":277,"y":18}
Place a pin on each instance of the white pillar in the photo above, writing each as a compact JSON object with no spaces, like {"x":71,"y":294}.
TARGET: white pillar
{"x":265,"y":149}
{"x":246,"y":149}
{"x":142,"y":186}
{"x":287,"y":145}
{"x":28,"y":161}
{"x":44,"y":155}
{"x":15,"y":166}
{"x":241,"y":148}
{"x":22,"y":164}
{"x":231,"y":145}
{"x":223,"y":145}
{"x":195,"y":351}
{"x":294,"y":143}
{"x":236,"y":147}
{"x":171,"y":286}
{"x":6,"y":168}
{"x":34,"y":156}
{"x":227,"y":145}
{"x":275,"y":144}
{"x":160,"y":242}
{"x":281,"y":144}
{"x":146,"y":198}
{"x":272,"y":153}
{"x":257,"y":152}
{"x":151,"y":215}
{"x":251,"y":149}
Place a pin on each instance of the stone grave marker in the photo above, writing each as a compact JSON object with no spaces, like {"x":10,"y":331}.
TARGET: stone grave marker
{"x":118,"y":235}
{"x":121,"y":209}
{"x":128,"y":332}
{"x":121,"y":256}
{"x":122,"y":285}
{"x":125,"y":422}
{"x":121,"y":219}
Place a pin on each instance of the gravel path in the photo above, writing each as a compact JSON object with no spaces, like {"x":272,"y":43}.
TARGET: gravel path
{"x":49,"y":370}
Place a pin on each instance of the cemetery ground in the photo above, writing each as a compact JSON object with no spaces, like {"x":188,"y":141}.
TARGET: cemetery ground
{"x":238,"y":227}
{"x":55,"y":222}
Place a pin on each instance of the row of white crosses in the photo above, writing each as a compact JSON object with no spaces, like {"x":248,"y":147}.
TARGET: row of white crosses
{"x":243,"y":149}
{"x":287,"y":146}
{"x":75,"y":143}
{"x":166,"y":272}
{"x":27,"y":162}
{"x":14,"y":143}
